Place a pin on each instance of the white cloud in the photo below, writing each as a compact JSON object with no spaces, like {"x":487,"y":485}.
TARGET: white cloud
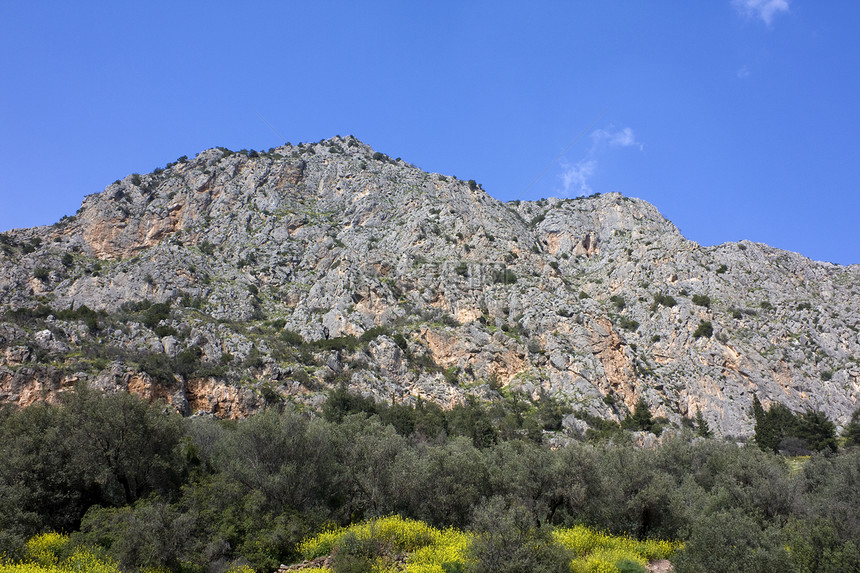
{"x":764,"y":9}
{"x":743,"y":73}
{"x":621,"y":138}
{"x":575,"y":176}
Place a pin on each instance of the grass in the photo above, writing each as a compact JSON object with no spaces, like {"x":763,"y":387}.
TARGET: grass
{"x":796,"y":463}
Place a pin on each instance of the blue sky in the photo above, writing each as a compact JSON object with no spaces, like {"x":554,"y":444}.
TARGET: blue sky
{"x":738,"y":119}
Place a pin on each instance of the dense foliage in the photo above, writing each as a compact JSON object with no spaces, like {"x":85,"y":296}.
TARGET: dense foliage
{"x":780,"y":430}
{"x":144,"y":488}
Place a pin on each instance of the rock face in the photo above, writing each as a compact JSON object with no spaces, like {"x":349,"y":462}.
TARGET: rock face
{"x":198,"y":283}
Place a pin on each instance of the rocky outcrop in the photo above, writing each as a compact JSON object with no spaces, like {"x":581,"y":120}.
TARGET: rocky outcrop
{"x":229,"y":281}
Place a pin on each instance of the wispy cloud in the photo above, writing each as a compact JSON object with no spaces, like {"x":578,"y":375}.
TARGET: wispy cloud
{"x":575,"y":176}
{"x":743,"y":73}
{"x":764,"y":9}
{"x":621,"y":138}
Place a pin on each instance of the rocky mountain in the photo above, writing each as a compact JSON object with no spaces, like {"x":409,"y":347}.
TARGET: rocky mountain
{"x":235,"y":279}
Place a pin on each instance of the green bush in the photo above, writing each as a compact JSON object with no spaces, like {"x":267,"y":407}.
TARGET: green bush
{"x":506,"y":540}
{"x":206,"y":248}
{"x":372,"y":333}
{"x":292,"y":337}
{"x":82,"y":313}
{"x":504,"y":276}
{"x":349,"y":342}
{"x":705,"y":328}
{"x":400,"y":340}
{"x":340,"y":403}
{"x":254,"y":359}
{"x":618,"y":301}
{"x":702,"y":300}
{"x":661,"y":299}
{"x":186,"y":362}
{"x":163,"y":330}
{"x":779,"y":429}
{"x":155,"y":313}
{"x":732,"y":541}
{"x":159,"y":366}
{"x":702,"y":428}
{"x":630,"y":566}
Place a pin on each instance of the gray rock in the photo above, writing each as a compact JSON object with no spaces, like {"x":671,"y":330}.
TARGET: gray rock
{"x":566,"y":296}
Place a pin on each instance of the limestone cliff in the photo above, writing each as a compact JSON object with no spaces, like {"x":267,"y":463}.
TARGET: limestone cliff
{"x":198,"y":284}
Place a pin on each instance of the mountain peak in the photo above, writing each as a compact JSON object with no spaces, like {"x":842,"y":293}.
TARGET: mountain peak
{"x":404,"y":285}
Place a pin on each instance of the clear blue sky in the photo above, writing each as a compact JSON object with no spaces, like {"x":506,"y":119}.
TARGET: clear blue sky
{"x":738,"y":119}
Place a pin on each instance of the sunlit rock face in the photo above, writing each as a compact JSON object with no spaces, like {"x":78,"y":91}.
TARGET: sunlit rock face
{"x":202,"y":280}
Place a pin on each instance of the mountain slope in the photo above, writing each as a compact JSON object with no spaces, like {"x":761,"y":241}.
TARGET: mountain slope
{"x":206,"y":276}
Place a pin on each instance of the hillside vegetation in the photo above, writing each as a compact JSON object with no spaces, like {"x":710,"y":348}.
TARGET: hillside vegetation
{"x":142,"y":488}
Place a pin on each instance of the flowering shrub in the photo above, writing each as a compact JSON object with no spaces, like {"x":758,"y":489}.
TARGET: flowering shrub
{"x":431,"y":550}
{"x":240,"y":569}
{"x":45,"y":553}
{"x":396,"y":533}
{"x":44,"y":549}
{"x":448,"y":552}
{"x":434,"y":551}
{"x":600,"y":553}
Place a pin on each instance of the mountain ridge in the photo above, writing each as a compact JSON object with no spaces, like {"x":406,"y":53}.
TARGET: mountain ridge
{"x":599,"y":301}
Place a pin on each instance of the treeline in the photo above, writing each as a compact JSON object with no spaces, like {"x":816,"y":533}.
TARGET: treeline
{"x":152,"y":489}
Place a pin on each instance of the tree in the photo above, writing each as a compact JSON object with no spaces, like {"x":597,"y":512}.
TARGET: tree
{"x":851,"y":433}
{"x":340,"y":403}
{"x":773,"y":425}
{"x":507,"y":541}
{"x":121,"y":444}
{"x":732,"y":541}
{"x":702,"y":428}
{"x":779,"y":429}
{"x":817,"y":431}
{"x":641,"y":419}
{"x":38,"y":490}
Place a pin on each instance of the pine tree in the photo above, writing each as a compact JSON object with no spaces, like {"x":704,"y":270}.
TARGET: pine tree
{"x":702,"y":428}
{"x":763,"y":431}
{"x":817,"y":431}
{"x":640,"y":419}
{"x":779,"y":423}
{"x":757,"y":410}
{"x":851,"y":433}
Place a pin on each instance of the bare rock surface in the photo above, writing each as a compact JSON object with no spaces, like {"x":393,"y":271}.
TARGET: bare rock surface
{"x":233,"y":280}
